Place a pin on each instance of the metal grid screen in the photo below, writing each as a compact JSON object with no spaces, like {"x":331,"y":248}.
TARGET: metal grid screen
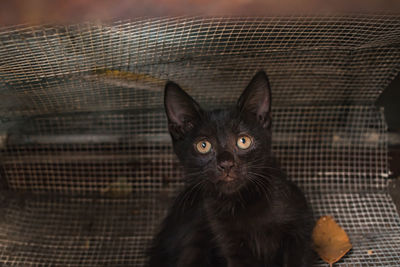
{"x":86,"y":163}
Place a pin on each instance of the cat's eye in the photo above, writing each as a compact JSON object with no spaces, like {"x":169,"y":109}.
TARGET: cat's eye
{"x":203,"y":146}
{"x":244,"y":141}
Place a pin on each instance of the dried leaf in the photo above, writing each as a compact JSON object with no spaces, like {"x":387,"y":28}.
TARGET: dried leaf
{"x":330,"y":240}
{"x":128,"y":79}
{"x":118,"y":189}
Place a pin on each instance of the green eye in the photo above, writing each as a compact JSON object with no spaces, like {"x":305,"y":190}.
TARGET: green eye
{"x":203,"y":146}
{"x":244,"y":141}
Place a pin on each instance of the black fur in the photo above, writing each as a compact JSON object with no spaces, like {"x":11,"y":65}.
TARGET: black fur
{"x":237,"y":208}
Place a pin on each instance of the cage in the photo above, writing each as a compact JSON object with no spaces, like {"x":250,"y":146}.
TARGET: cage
{"x":86,"y":165}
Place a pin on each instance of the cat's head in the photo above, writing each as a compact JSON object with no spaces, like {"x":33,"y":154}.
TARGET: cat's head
{"x":222,"y":149}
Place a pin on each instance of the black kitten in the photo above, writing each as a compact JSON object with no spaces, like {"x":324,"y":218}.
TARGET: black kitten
{"x":237,"y":208}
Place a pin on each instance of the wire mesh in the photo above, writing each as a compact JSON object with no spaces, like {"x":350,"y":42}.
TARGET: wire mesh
{"x":323,"y":149}
{"x":82,"y":127}
{"x":320,"y":60}
{"x":38,"y":230}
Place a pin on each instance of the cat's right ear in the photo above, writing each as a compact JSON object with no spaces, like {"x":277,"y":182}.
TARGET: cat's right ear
{"x":182,"y":111}
{"x":256,"y":99}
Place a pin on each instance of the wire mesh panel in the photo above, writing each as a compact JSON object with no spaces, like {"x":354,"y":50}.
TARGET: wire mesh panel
{"x":108,"y":232}
{"x":85,"y":153}
{"x":321,"y":60}
{"x":323,"y":149}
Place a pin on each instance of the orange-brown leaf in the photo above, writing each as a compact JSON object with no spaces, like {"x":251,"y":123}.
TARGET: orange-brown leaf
{"x":330,"y":240}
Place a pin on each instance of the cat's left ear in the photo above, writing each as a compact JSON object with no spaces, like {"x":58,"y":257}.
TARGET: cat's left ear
{"x":256,"y":99}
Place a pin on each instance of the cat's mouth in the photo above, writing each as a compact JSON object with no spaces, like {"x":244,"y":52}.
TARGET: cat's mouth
{"x":228,"y":177}
{"x":229,"y":183}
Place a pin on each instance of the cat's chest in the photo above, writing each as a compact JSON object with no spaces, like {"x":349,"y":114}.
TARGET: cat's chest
{"x":240,"y":221}
{"x":253,"y":228}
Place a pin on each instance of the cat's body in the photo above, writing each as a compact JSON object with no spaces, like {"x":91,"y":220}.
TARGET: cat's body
{"x":237,"y":208}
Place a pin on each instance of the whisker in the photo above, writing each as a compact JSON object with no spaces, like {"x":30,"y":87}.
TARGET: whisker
{"x":263,"y":188}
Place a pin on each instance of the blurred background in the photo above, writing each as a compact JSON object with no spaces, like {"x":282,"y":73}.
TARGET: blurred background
{"x":13,"y":12}
{"x":60,"y":11}
{"x":78,"y":82}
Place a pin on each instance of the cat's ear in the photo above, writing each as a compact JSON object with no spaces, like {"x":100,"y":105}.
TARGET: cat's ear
{"x":256,"y":99}
{"x":182,"y":111}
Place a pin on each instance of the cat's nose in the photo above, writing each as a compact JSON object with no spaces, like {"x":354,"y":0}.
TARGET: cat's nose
{"x":225,"y":161}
